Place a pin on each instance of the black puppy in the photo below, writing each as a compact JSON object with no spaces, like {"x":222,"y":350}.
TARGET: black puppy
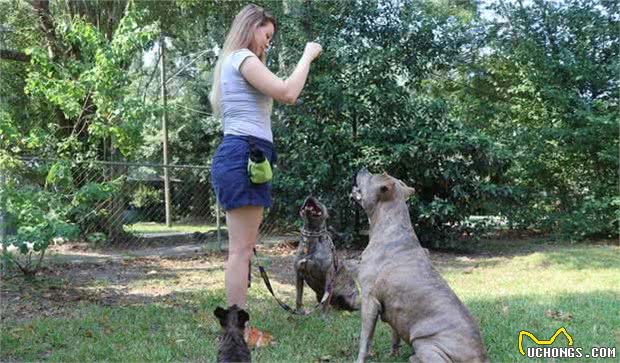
{"x":233,"y":347}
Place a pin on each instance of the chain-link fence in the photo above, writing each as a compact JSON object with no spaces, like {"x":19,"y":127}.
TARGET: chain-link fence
{"x":121,"y":203}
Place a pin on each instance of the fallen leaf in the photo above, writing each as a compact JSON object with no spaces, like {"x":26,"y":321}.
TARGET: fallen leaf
{"x":559,"y":315}
{"x":505,"y":310}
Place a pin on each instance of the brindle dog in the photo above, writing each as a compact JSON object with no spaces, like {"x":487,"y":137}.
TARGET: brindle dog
{"x":233,"y":347}
{"x":400,"y":285}
{"x":317,"y":264}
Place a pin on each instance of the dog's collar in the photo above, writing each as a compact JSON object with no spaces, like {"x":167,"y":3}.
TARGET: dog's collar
{"x":313,"y":234}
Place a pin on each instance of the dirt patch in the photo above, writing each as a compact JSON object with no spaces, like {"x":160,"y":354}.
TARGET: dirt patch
{"x":59,"y":288}
{"x":76,"y":275}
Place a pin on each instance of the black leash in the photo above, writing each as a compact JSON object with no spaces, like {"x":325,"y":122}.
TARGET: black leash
{"x":283,"y":305}
{"x":326,"y":298}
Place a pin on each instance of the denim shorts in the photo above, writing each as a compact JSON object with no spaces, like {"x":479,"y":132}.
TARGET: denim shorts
{"x":229,"y":173}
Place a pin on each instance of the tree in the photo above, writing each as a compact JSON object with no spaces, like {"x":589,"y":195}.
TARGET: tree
{"x":77,"y":74}
{"x":545,"y":88}
{"x":366,"y":104}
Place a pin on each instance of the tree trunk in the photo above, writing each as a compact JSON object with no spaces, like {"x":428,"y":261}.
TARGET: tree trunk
{"x":46,"y":23}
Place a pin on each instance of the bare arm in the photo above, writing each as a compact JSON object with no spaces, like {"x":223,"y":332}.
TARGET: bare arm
{"x":285,"y":91}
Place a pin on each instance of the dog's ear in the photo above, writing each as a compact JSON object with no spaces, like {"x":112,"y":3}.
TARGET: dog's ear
{"x":242,"y":318}
{"x":221,"y":315}
{"x":386,"y":190}
{"x":407,"y":190}
{"x":302,"y":210}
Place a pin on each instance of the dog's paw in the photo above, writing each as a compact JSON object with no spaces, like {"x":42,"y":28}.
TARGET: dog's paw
{"x":325,"y":297}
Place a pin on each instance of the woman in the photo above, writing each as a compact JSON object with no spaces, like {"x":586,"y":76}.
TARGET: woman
{"x":242,"y":94}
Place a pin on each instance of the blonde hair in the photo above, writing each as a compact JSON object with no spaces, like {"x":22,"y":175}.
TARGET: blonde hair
{"x":240,"y":36}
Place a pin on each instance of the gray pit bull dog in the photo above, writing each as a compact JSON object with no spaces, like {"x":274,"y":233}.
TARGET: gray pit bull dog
{"x":400,"y":285}
{"x":317,"y":264}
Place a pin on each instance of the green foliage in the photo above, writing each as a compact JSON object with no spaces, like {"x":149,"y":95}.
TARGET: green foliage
{"x":91,"y":85}
{"x":546,"y":89}
{"x":514,"y":116}
{"x":93,"y":207}
{"x":97,"y":238}
{"x":10,"y":136}
{"x":37,"y":215}
{"x":365,"y":105}
{"x":59,"y":175}
{"x":79,"y":104}
{"x":42,"y":202}
{"x":145,"y":196}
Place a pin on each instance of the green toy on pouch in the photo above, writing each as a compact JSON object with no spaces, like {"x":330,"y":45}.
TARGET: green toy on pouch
{"x":259,"y":168}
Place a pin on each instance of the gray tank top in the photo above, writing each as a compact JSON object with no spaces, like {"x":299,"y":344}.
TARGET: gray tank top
{"x":245,"y":110}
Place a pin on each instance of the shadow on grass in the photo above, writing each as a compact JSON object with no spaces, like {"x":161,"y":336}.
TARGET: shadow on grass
{"x":61,"y":288}
{"x":579,"y":258}
{"x":173,"y":327}
{"x":484,"y":254}
{"x":570,"y":255}
{"x":505,"y":247}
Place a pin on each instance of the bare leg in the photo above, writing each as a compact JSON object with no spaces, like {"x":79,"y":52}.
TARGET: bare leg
{"x":243,"y":224}
{"x":370,"y":313}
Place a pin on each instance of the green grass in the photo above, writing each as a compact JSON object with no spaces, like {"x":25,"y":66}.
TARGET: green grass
{"x":535,"y":287}
{"x":151,"y":227}
{"x":574,"y":287}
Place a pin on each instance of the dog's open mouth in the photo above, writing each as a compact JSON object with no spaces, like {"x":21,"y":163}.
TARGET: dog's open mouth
{"x":311,"y":208}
